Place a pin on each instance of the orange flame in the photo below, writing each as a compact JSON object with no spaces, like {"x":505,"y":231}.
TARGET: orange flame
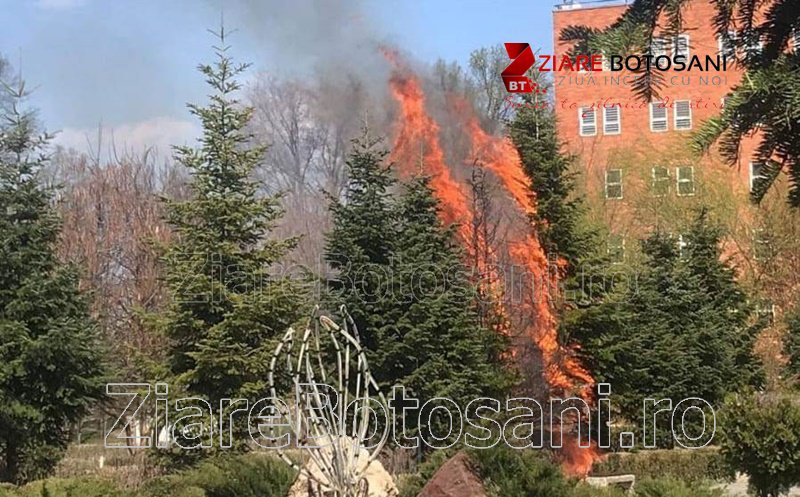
{"x":561,"y":368}
{"x":499,"y":155}
{"x":417,"y":148}
{"x":578,"y":460}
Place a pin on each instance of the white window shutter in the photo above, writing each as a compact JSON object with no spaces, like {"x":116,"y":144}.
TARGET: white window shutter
{"x":611,"y":120}
{"x":658,"y":117}
{"x":683,"y":115}
{"x":681,"y":47}
{"x":587,"y":121}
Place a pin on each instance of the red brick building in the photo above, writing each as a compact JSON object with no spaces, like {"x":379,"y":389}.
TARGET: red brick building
{"x":636,"y":158}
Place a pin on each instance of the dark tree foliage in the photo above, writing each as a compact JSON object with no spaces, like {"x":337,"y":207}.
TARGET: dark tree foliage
{"x":50,"y":354}
{"x":792,"y":341}
{"x":685,"y":329}
{"x":766,"y":101}
{"x":402,"y":277}
{"x":558,"y":209}
{"x":227,"y":308}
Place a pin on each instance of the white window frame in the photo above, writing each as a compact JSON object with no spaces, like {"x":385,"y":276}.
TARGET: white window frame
{"x":753,"y":177}
{"x":621,"y":248}
{"x":581,"y":117}
{"x":795,"y":41}
{"x":759,"y":240}
{"x":675,"y":52}
{"x":679,"y":180}
{"x":731,"y":53}
{"x":665,"y":179}
{"x":605,"y":63}
{"x":662,"y":44}
{"x":607,"y":184}
{"x":757,"y":47}
{"x":606,"y":122}
{"x":665,"y":119}
{"x":766,"y":308}
{"x":681,"y":244}
{"x":676,"y":118}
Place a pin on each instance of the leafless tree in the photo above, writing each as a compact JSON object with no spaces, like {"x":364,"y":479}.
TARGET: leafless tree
{"x":307,"y":128}
{"x":112,"y":221}
{"x":485,"y":65}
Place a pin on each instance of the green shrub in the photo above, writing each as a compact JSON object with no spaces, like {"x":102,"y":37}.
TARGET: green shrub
{"x":761,"y":438}
{"x":69,"y":487}
{"x":250,"y":475}
{"x":584,"y":490}
{"x":688,"y":465}
{"x":671,"y":487}
{"x":508,"y":472}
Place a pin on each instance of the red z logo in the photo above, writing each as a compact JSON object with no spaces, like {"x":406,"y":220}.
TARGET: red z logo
{"x":522,"y":59}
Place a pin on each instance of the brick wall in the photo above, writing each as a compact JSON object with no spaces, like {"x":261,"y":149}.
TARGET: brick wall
{"x":637,"y":149}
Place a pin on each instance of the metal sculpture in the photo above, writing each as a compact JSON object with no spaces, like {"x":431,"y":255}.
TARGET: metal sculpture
{"x":340,"y":457}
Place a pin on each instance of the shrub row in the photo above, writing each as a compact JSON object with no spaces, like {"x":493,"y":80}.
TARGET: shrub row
{"x":687,"y":465}
{"x":252,"y":475}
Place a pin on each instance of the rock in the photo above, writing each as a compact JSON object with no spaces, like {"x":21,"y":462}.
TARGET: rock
{"x":625,"y":482}
{"x":379,"y":481}
{"x":454,"y":479}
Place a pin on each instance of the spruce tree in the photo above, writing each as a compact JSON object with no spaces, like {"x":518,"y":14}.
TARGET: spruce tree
{"x":359,"y":244}
{"x":402,"y":276}
{"x":227,"y":309}
{"x":684,"y":329}
{"x":792,"y":341}
{"x":437,"y":347}
{"x":552,"y":179}
{"x":50,"y":356}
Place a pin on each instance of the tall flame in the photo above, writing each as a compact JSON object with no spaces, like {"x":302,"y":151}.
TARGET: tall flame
{"x":417,"y":149}
{"x":499,"y":155}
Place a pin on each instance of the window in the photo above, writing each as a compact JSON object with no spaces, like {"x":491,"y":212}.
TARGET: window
{"x":614,"y":183}
{"x":681,"y":47}
{"x":685,"y":175}
{"x":658,"y":47}
{"x":658,"y":117}
{"x":660,"y":181}
{"x":587,"y":121}
{"x":683,"y":115}
{"x":681,"y":244}
{"x":753,"y":45}
{"x":727,"y":45}
{"x":766,"y":310}
{"x":756,"y":174}
{"x":611,"y":120}
{"x":796,"y":41}
{"x":761,"y":245}
{"x":605,"y":63}
{"x":616,"y":248}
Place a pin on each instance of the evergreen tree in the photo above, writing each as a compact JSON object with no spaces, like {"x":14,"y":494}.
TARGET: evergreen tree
{"x":558,"y":208}
{"x":765,"y":101}
{"x":227,"y":310}
{"x":359,"y":246}
{"x":436,"y":346}
{"x":403,"y":279}
{"x":685,"y":329}
{"x":50,"y":366}
{"x":792,"y":341}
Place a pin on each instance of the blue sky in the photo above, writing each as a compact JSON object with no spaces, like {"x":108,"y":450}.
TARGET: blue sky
{"x":130,"y":64}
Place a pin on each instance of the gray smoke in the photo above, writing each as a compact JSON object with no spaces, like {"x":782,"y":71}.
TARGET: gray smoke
{"x":298,"y":38}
